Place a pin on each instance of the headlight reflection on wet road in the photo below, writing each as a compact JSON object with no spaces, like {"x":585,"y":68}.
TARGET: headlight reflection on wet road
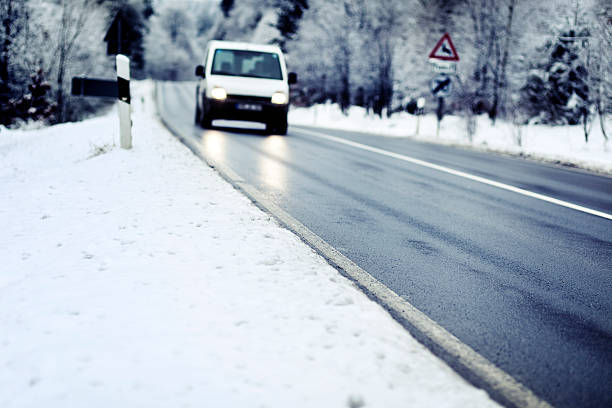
{"x":215,"y":144}
{"x":272,"y":171}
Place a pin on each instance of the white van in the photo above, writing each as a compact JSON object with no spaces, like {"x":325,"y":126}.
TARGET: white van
{"x":242,"y":81}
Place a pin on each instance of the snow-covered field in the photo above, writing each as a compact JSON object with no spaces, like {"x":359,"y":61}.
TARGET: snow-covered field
{"x":557,"y":144}
{"x":140,"y":278}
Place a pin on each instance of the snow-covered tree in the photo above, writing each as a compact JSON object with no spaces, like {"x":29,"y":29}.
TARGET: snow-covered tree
{"x":289,"y":14}
{"x":249,"y":20}
{"x":354,"y":62}
{"x":383,"y":24}
{"x":14,"y":24}
{"x":74,"y":15}
{"x":226,"y":7}
{"x":134,"y":15}
{"x":601,"y":61}
{"x":34,"y":105}
{"x":63,"y":38}
{"x":369,"y":53}
{"x":169,"y":51}
{"x":557,"y":89}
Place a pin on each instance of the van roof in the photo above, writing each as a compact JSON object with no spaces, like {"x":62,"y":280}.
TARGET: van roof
{"x":232,"y":45}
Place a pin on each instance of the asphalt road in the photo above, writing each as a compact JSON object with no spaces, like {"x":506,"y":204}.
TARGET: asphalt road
{"x":526,"y":283}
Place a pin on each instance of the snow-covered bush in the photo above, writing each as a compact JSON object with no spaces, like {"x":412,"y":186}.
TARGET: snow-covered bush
{"x":558,"y":92}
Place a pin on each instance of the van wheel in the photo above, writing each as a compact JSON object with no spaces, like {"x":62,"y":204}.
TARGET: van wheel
{"x":206,"y":121}
{"x":198,"y":112}
{"x":277,"y":128}
{"x":197,"y":116}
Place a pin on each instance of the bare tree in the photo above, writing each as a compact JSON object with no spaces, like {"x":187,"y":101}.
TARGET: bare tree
{"x":384,"y":30}
{"x":13,"y":20}
{"x":601,"y":64}
{"x":492,"y":46}
{"x":335,"y":26}
{"x":483,"y":40}
{"x":74,"y":16}
{"x":500,"y":83}
{"x":378,"y":26}
{"x":12,"y":76}
{"x":169,"y":49}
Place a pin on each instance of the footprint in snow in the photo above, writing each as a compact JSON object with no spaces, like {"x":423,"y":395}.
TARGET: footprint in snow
{"x":355,"y":401}
{"x":270,"y":261}
{"x":344,"y":302}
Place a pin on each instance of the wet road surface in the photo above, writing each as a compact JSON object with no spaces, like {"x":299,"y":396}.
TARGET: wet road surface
{"x":526,"y":283}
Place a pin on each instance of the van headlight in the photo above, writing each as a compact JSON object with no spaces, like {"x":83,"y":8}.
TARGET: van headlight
{"x":279,"y":98}
{"x":218,"y":94}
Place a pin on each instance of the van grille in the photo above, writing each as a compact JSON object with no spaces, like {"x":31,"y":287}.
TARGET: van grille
{"x":249,"y":98}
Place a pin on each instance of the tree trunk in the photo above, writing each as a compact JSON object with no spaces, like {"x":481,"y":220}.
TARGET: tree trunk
{"x":501,"y":84}
{"x":74,"y":16}
{"x":345,"y":80}
{"x":601,"y":112}
{"x":61,"y":66}
{"x":496,"y":85}
{"x":6,"y":44}
{"x":602,"y":125}
{"x":385,"y":76}
{"x":585,"y":124}
{"x":60,"y":87}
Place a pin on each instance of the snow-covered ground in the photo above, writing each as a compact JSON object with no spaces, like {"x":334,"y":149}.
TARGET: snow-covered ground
{"x":140,"y":278}
{"x":557,"y":144}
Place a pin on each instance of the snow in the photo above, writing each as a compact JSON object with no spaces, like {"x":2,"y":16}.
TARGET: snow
{"x":140,"y":278}
{"x":556,"y":144}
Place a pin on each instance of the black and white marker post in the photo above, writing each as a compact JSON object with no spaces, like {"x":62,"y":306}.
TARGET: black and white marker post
{"x":123,"y":93}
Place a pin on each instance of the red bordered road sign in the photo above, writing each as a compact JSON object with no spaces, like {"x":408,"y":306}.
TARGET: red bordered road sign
{"x":444,"y":50}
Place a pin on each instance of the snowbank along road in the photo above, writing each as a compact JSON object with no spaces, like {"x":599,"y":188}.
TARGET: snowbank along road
{"x":518,"y":271}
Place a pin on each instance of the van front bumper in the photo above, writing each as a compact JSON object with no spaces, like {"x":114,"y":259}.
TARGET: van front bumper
{"x":251,"y":109}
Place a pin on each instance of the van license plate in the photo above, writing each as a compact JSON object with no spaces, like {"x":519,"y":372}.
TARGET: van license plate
{"x":248,"y":106}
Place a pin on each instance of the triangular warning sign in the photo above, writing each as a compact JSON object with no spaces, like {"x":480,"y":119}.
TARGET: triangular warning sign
{"x":444,"y":50}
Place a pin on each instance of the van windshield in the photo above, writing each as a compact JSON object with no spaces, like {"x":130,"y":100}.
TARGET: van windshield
{"x":252,"y":64}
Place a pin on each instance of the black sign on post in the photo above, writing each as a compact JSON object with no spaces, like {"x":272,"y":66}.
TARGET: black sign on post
{"x":441,"y":86}
{"x":116,"y":37}
{"x":94,"y":87}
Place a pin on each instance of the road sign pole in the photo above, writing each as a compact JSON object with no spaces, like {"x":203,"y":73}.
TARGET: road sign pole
{"x":443,"y":56}
{"x":439,"y":114}
{"x":123,"y":88}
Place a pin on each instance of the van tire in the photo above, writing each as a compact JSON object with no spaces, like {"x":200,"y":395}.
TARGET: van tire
{"x":277,"y":128}
{"x":197,"y":116}
{"x":206,"y":121}
{"x":198,"y":112}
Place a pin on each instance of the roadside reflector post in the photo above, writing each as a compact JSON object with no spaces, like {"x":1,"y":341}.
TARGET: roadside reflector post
{"x":123,"y":93}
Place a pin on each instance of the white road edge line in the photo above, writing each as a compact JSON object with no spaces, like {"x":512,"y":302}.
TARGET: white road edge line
{"x":456,"y":173}
{"x":458,"y":355}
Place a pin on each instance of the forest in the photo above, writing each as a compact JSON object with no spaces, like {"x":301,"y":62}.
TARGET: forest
{"x":520,"y":60}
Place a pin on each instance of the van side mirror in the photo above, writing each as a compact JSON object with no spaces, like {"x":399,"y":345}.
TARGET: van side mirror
{"x":292,"y":78}
{"x":200,"y":71}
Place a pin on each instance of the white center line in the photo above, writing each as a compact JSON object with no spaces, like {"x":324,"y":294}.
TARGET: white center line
{"x":457,"y":173}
